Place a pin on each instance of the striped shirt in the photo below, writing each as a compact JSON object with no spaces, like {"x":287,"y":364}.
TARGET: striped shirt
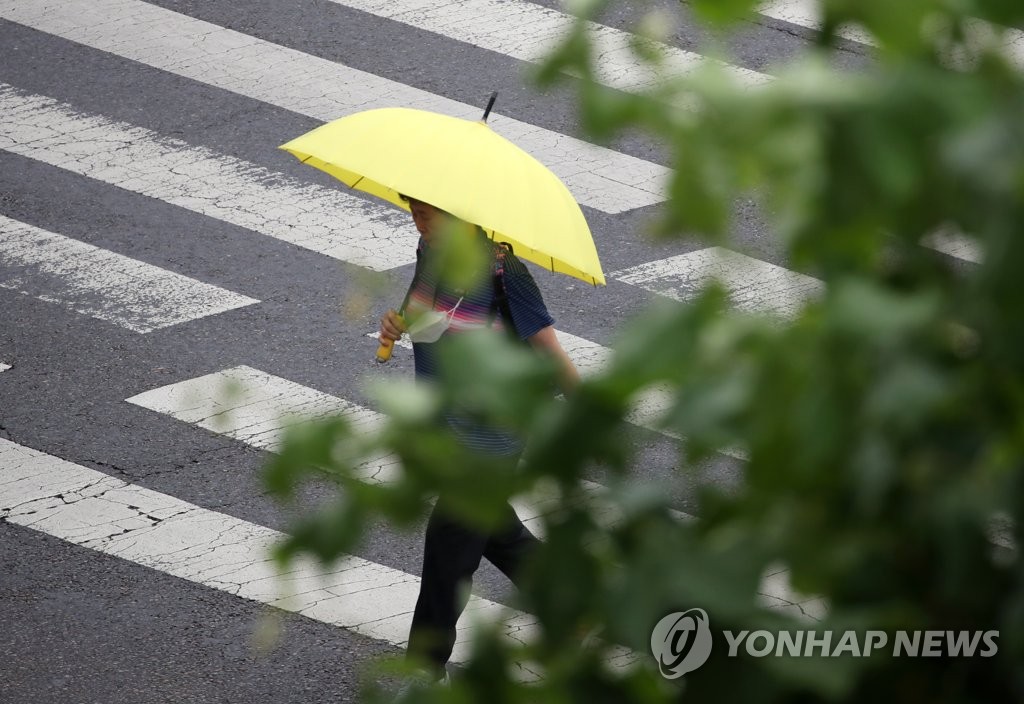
{"x":474,"y":312}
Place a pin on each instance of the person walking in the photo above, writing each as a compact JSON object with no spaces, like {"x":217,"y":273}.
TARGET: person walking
{"x":508,"y":299}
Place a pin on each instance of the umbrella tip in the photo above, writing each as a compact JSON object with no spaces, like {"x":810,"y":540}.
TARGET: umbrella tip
{"x":490,"y":104}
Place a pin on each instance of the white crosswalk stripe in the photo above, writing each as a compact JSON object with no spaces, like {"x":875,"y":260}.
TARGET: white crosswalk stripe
{"x":97,"y":511}
{"x":102,"y":284}
{"x":530,"y":32}
{"x":754,"y":286}
{"x":956,"y":245}
{"x":324,"y":220}
{"x":323,"y":89}
{"x":806,"y":13}
{"x":257,"y":408}
{"x":4,"y":367}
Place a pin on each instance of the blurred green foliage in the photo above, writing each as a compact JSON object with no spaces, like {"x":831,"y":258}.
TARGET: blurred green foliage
{"x":884,"y":425}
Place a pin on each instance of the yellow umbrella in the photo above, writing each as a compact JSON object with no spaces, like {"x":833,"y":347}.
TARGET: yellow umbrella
{"x":464,"y":168}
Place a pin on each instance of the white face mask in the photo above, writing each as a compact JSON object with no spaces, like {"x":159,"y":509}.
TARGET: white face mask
{"x":429,"y":326}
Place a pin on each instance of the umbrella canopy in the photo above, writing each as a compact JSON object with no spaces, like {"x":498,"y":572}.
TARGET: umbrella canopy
{"x":464,"y":168}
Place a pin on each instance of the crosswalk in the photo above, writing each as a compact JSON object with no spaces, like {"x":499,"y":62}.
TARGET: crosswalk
{"x":239,"y":391}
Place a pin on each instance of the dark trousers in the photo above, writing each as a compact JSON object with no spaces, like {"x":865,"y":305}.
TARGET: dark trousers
{"x":451,"y":554}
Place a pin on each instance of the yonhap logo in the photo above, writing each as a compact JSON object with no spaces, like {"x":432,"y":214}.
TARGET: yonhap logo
{"x":681,"y":642}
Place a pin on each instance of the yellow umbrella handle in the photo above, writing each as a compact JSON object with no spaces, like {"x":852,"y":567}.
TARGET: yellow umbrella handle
{"x":388,"y":346}
{"x":385,"y":350}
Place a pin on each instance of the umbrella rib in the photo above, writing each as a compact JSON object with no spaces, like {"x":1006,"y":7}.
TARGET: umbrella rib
{"x":357,"y":182}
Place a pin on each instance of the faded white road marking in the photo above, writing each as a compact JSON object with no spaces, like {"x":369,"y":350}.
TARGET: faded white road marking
{"x":324,"y":220}
{"x":102,"y":284}
{"x":753,"y":285}
{"x":257,"y":408}
{"x":956,"y":245}
{"x":807,"y":13}
{"x":205,"y":52}
{"x":4,"y":367}
{"x":529,"y":32}
{"x":777,"y":593}
{"x":94,"y":510}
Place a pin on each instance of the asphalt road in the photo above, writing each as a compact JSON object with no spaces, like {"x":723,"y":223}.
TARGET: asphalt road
{"x":82,"y":626}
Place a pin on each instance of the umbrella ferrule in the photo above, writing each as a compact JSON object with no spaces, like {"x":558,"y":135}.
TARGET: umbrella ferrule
{"x":490,"y":104}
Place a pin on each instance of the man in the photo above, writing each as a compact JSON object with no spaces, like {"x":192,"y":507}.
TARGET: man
{"x":452,"y":551}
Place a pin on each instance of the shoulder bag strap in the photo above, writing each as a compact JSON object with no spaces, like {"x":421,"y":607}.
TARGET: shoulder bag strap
{"x":500,"y":301}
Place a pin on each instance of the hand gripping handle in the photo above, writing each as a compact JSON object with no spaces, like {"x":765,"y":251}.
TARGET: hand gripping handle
{"x":388,"y":346}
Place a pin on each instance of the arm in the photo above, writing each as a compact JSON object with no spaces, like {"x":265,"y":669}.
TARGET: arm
{"x":546,"y":342}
